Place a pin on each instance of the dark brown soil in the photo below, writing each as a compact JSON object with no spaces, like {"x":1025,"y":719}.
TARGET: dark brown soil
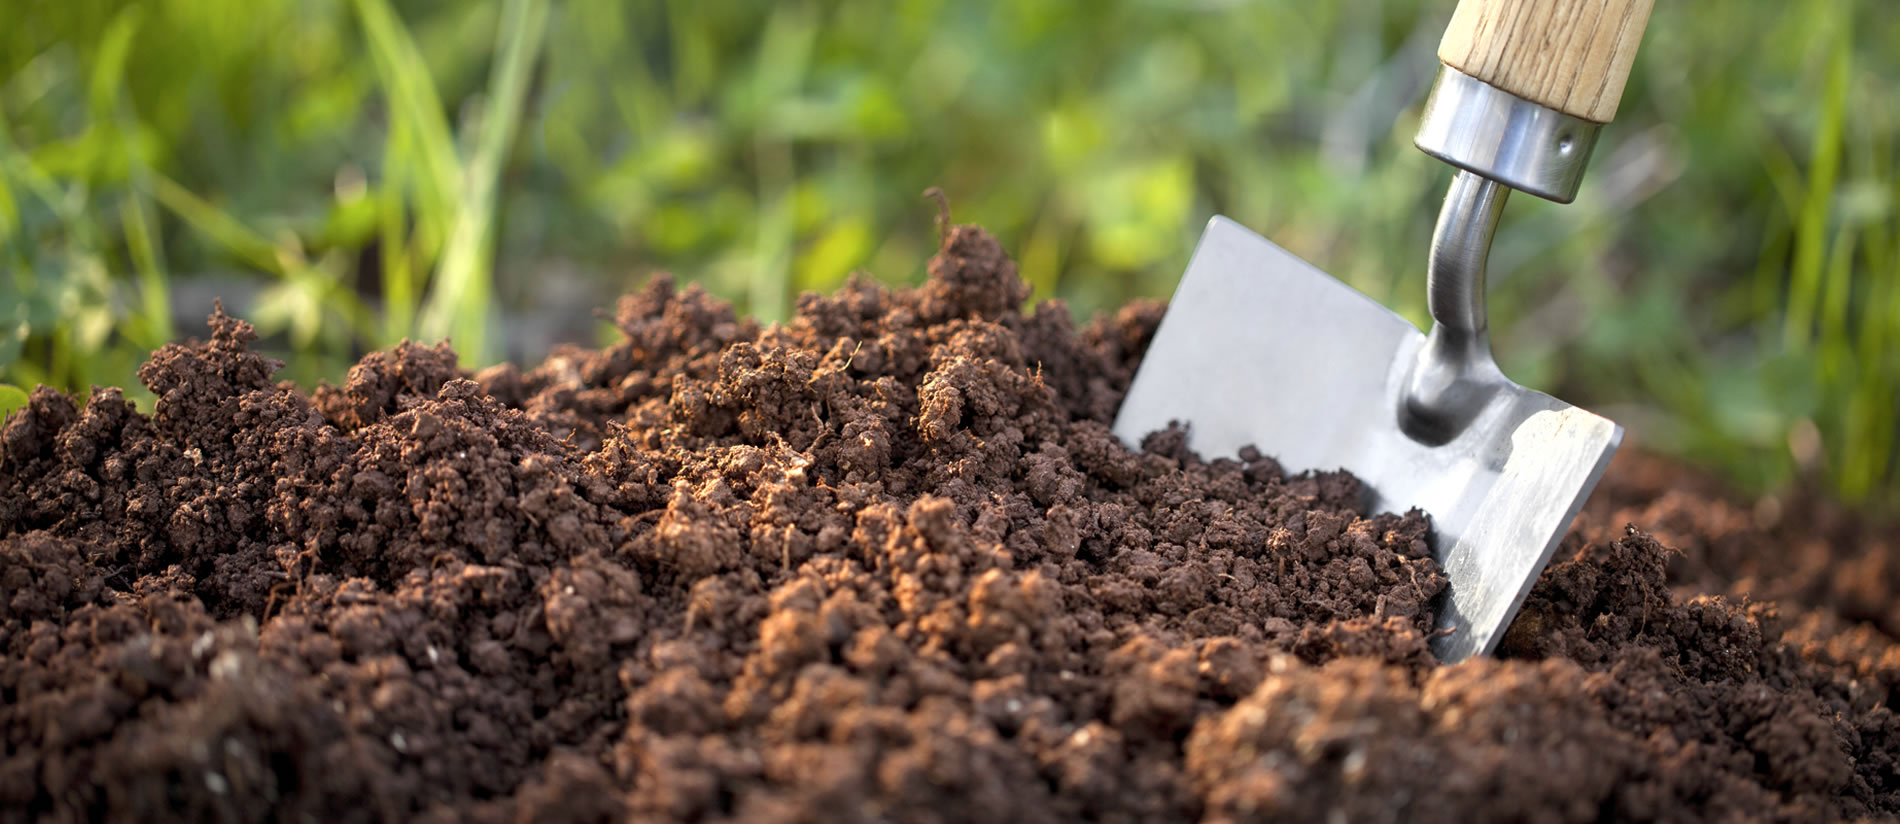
{"x":884,"y":562}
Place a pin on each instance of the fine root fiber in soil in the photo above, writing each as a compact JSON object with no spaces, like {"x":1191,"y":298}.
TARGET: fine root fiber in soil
{"x":884,"y":562}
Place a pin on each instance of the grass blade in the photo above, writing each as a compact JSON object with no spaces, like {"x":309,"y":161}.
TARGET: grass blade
{"x":398,"y":269}
{"x":414,"y":103}
{"x":784,"y":58}
{"x":1811,"y":226}
{"x":459,"y":299}
{"x":237,"y":239}
{"x":142,"y":243}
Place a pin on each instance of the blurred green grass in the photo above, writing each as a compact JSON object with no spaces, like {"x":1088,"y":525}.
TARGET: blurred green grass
{"x":1728,"y":284}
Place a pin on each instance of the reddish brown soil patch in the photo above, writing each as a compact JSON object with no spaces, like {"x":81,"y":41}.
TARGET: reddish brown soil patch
{"x":883,"y":563}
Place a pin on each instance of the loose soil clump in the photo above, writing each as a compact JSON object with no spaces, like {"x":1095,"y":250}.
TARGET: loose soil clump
{"x":882,"y":562}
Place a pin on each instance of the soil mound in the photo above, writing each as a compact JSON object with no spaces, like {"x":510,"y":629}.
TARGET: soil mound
{"x":883,"y":562}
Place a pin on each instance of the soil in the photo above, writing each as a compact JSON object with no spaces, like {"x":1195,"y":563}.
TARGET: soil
{"x":882,"y":562}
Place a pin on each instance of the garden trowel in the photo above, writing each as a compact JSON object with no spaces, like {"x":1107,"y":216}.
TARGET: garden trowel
{"x":1260,"y":348}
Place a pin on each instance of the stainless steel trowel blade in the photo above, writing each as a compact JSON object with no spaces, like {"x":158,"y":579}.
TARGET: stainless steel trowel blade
{"x":1259,"y":347}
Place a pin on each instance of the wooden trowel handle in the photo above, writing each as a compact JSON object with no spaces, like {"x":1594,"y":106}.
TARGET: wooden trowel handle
{"x":1569,"y":55}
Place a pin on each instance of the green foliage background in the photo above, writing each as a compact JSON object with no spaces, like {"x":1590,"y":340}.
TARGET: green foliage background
{"x":1728,"y":284}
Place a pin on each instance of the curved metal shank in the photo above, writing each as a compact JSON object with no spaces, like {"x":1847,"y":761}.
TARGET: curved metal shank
{"x":1455,"y":375}
{"x":1498,"y":141}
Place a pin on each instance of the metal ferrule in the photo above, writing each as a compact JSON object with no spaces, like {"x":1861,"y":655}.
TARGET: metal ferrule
{"x":1488,"y":131}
